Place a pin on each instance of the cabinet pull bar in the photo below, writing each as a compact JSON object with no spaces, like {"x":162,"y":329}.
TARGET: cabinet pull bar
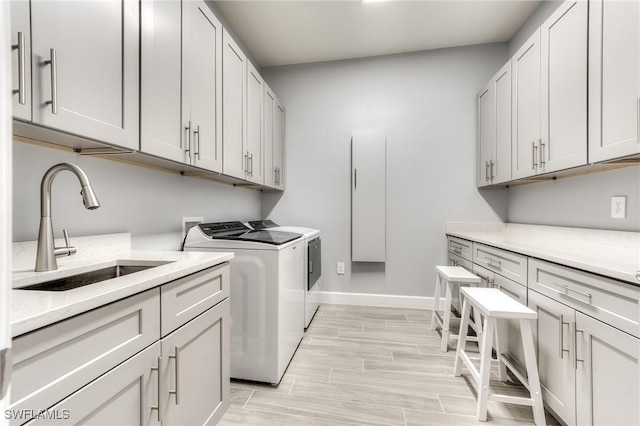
{"x":278,"y":169}
{"x":575,"y":346}
{"x":561,"y":349}
{"x":533,"y":155}
{"x":565,"y":293}
{"x":492,"y":164}
{"x":486,"y":171}
{"x":355,"y":178}
{"x":53,"y":61}
{"x":187,"y":129}
{"x":176,"y":364}
{"x":159,"y":406}
{"x":542,"y":144}
{"x":251,"y":164}
{"x":567,"y":289}
{"x":493,"y":262}
{"x":21,"y":77}
{"x":197,"y":141}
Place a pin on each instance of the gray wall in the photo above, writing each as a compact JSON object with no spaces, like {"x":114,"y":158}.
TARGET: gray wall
{"x":583,"y":201}
{"x":139,"y":200}
{"x":427,"y":103}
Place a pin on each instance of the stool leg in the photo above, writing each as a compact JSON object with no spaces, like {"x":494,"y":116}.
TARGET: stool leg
{"x":444,"y":344}
{"x":532,"y":371}
{"x":477,"y":320}
{"x":436,"y":302}
{"x":485,"y":368}
{"x":462,"y":338}
{"x":500,"y":340}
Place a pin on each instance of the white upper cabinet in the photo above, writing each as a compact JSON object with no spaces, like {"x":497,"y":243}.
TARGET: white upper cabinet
{"x":278,"y":144}
{"x":494,"y":120}
{"x":614,"y":79}
{"x":235,"y":157}
{"x":255,"y":125}
{"x":182,"y":83}
{"x":161,"y":130}
{"x":563,"y":38}
{"x":85,"y":65}
{"x":526,"y":108}
{"x":21,"y":59}
{"x":202,"y":84}
{"x":273,"y":140}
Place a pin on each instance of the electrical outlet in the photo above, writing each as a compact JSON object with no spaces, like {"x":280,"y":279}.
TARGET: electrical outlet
{"x":340,"y":268}
{"x":619,"y":207}
{"x":190,"y":222}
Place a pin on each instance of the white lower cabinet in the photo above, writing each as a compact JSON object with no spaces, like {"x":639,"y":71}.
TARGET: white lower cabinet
{"x":589,"y":368}
{"x":608,"y":374}
{"x":125,"y":395}
{"x":110,"y":365}
{"x":554,"y":352}
{"x":195,"y":369}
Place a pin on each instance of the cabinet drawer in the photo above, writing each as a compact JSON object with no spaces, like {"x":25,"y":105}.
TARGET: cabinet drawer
{"x":507,"y":264}
{"x":186,"y":298}
{"x":459,"y":261}
{"x":486,"y":276}
{"x":55,"y":361}
{"x":610,"y":301}
{"x":460,"y":247}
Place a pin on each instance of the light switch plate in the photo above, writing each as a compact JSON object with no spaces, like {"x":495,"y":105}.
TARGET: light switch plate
{"x":619,"y":207}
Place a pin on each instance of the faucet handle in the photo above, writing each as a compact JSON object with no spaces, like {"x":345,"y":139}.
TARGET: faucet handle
{"x":67,"y":243}
{"x":67,"y":250}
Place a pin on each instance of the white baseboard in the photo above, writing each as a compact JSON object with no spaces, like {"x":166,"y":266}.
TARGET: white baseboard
{"x":381,"y":300}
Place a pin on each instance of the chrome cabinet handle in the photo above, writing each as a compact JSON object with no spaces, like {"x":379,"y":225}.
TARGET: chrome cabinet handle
{"x":22,"y":99}
{"x":197,"y":141}
{"x":567,"y":289}
{"x":575,"y":347}
{"x":561,"y":349}
{"x":355,"y":178}
{"x":486,"y":171}
{"x":53,"y":61}
{"x":542,"y":144}
{"x":159,"y":406}
{"x":251,"y":164}
{"x":492,"y":262}
{"x":176,"y":359}
{"x":187,"y":150}
{"x":492,"y":164}
{"x":534,"y":149}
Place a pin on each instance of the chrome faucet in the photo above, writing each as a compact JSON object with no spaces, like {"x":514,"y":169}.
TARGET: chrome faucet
{"x":47,"y":253}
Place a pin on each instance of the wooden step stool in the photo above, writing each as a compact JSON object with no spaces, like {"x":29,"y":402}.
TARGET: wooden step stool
{"x":452,"y":277}
{"x":495,"y":305}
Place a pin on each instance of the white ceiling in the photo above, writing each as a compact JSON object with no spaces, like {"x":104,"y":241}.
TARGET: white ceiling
{"x":301,"y":31}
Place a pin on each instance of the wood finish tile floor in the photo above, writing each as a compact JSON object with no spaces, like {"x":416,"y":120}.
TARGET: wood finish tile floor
{"x":361,"y":365}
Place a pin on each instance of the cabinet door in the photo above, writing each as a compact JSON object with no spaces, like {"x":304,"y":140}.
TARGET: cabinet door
{"x":268,"y":111}
{"x":608,"y":374}
{"x":202,"y":84}
{"x":160,"y":121}
{"x":486,"y":132}
{"x":501,"y":167}
{"x":123,"y":396}
{"x":234,"y":155}
{"x":21,"y":59}
{"x":278,"y":144}
{"x":510,"y":329}
{"x":614,"y":79}
{"x":525,"y":68}
{"x":86,"y":68}
{"x":564,"y":79}
{"x":255,"y":105}
{"x":195,"y":369}
{"x":552,"y":335}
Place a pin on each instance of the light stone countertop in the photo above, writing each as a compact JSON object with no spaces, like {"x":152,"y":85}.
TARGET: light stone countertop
{"x":31,"y":309}
{"x":614,"y":254}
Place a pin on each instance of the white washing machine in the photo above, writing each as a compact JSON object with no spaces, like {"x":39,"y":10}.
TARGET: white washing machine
{"x":312,"y":282}
{"x":267,"y":302}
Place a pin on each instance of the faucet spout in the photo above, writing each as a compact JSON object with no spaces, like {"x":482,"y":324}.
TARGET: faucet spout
{"x":46,"y":252}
